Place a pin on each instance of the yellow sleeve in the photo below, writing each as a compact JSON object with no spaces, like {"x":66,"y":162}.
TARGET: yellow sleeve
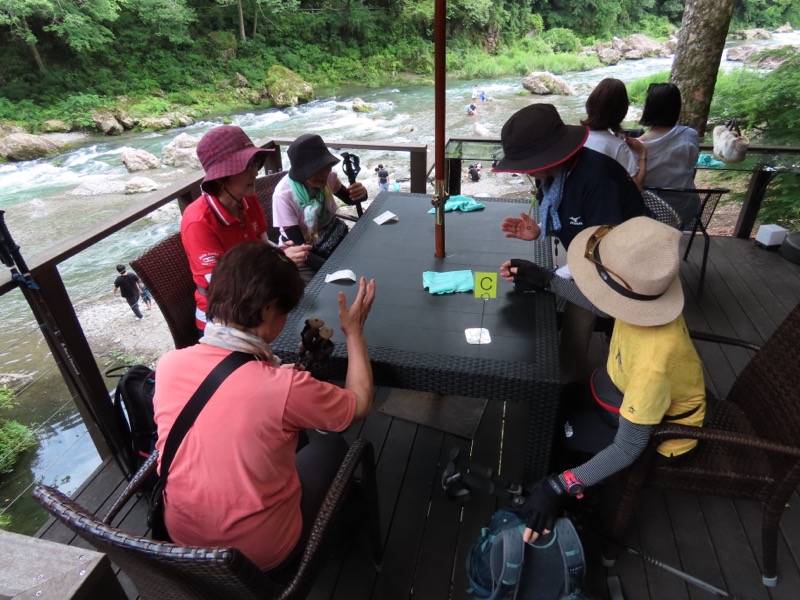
{"x":647,"y":397}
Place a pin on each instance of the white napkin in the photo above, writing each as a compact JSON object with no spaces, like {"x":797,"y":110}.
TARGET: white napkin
{"x":478,"y":335}
{"x":385,"y":217}
{"x":338,"y":275}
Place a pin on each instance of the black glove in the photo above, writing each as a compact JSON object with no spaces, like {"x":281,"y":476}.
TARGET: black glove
{"x":543,"y":504}
{"x":530,"y":277}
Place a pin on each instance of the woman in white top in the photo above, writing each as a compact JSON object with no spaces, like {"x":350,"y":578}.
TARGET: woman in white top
{"x":606,"y":107}
{"x":672,"y":149}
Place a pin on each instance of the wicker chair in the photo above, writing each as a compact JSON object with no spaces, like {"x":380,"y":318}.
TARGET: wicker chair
{"x":165,"y":570}
{"x":265,"y":186}
{"x":164,"y":269}
{"x":749,"y":447}
{"x":686,"y":209}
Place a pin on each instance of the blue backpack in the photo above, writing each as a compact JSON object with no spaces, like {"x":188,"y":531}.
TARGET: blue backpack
{"x":500,"y":566}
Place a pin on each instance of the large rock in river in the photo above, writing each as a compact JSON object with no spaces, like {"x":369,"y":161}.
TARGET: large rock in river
{"x":544,"y":83}
{"x":106,"y":122}
{"x":136,"y":159}
{"x":182,"y":151}
{"x":25,"y":146}
{"x":287,"y":88}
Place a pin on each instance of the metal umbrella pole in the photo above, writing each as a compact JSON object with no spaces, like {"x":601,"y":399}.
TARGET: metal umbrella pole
{"x":440,"y":79}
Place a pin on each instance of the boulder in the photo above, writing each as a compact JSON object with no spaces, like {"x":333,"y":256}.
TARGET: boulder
{"x":98,"y":187}
{"x":751,"y":34}
{"x":127,"y":121}
{"x":56,"y":126}
{"x":287,"y":88}
{"x":182,"y":151}
{"x":609,"y":56}
{"x":249,"y":95}
{"x":7,"y":129}
{"x":620,"y":45}
{"x":106,"y":122}
{"x":647,"y":46}
{"x":741,"y":53}
{"x":360,"y":106}
{"x":785,"y":28}
{"x":481,"y":130}
{"x":140,"y":185}
{"x":157,"y":123}
{"x":26,"y":146}
{"x":407,"y":129}
{"x":181,"y":119}
{"x":136,"y":159}
{"x":240,"y":81}
{"x":544,"y":83}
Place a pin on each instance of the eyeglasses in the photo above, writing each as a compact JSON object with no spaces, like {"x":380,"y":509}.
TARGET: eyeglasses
{"x":591,"y":248}
{"x":255,"y":164}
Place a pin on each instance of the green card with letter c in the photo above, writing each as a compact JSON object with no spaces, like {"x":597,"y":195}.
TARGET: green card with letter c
{"x":485,"y":285}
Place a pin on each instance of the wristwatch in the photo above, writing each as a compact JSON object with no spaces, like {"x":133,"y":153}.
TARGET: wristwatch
{"x":572,"y":484}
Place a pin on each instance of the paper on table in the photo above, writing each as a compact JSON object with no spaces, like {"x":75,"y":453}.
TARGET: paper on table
{"x":343,"y":274}
{"x":385,"y":217}
{"x":478,"y":336}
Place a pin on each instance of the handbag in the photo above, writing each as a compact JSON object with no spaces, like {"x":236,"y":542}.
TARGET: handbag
{"x":186,"y":418}
{"x":730,"y":145}
{"x":330,"y":237}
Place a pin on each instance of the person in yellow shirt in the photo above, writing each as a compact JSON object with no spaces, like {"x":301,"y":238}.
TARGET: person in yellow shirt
{"x":653,"y":373}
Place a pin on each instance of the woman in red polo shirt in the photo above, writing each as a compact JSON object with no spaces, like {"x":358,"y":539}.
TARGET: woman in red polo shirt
{"x":227,"y":212}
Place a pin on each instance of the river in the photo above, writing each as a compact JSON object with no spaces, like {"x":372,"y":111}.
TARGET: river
{"x":52,"y":199}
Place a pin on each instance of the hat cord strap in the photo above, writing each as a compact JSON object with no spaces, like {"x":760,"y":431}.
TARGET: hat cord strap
{"x":612,"y":283}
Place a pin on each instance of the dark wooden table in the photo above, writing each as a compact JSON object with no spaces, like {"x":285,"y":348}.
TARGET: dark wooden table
{"x":416,"y":340}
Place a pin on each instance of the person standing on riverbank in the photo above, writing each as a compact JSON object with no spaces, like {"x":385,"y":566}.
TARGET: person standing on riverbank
{"x":127,"y":284}
{"x":383,"y":178}
{"x":227,"y":212}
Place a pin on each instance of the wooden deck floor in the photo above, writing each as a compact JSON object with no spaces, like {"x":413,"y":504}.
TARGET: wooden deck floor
{"x":748,"y":292}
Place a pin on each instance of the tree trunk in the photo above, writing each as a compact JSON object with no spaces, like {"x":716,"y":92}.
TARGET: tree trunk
{"x":37,"y":57}
{"x":697,"y":57}
{"x":242,"y":35}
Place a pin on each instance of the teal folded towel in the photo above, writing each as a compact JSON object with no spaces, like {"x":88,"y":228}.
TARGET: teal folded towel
{"x":462,"y":203}
{"x":706,"y":160}
{"x":449,"y":282}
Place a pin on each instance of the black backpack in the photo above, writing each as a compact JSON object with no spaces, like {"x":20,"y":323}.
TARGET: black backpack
{"x":500,"y":566}
{"x":133,"y":406}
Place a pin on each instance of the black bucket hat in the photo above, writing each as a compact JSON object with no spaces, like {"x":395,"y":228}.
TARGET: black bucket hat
{"x":308,"y":154}
{"x":535,"y":138}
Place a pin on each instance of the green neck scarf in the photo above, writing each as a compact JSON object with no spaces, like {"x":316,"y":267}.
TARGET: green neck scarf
{"x":315,"y":208}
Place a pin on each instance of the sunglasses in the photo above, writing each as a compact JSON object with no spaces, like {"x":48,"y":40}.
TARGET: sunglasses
{"x":255,"y":163}
{"x":591,"y":252}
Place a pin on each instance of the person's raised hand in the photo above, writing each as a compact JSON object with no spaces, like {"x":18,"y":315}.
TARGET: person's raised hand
{"x":297,"y":254}
{"x":353,"y":317}
{"x":357,"y":191}
{"x":523,"y":228}
{"x":636,"y":145}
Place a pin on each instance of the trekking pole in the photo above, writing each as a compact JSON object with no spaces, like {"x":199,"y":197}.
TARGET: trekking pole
{"x":351,"y":165}
{"x":704,"y":585}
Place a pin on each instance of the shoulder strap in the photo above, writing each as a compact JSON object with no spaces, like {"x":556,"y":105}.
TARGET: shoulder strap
{"x":572,"y":550}
{"x":199,"y":399}
{"x":507,"y":553}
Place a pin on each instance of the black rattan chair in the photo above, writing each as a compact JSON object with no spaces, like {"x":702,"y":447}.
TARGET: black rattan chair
{"x":749,"y":447}
{"x":164,"y":269}
{"x":686,"y":209}
{"x":265,"y":186}
{"x":164,"y":570}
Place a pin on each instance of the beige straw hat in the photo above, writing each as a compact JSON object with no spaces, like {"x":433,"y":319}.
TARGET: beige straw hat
{"x":632,"y":274}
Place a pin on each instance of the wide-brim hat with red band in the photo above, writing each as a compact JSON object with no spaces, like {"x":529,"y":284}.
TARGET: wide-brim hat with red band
{"x":226,"y":150}
{"x":535,"y":138}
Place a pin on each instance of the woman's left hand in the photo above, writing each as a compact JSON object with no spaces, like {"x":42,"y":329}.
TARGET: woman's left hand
{"x":358,"y":192}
